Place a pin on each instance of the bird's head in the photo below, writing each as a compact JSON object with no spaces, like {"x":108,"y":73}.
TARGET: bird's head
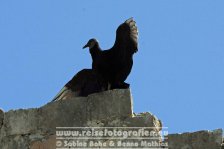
{"x":91,"y":43}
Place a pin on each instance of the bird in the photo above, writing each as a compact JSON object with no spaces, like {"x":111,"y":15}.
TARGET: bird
{"x":109,"y":66}
{"x":84,"y":83}
{"x":115,"y":64}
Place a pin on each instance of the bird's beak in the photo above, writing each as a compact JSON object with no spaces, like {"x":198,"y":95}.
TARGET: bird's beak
{"x":86,"y":46}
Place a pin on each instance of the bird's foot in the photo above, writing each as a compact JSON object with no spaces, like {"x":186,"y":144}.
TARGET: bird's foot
{"x":120,"y":86}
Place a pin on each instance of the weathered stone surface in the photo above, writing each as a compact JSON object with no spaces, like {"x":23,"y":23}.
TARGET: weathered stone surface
{"x":20,"y":122}
{"x":74,"y":112}
{"x":144,"y":120}
{"x":14,"y":142}
{"x":196,"y":140}
{"x":49,"y":143}
{"x":31,"y":128}
{"x":36,"y":128}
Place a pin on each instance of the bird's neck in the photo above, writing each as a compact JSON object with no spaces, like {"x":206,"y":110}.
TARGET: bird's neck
{"x":95,"y":51}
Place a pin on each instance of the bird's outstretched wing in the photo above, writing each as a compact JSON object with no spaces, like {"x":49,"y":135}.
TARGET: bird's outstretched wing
{"x":127,"y":37}
{"x":84,"y":83}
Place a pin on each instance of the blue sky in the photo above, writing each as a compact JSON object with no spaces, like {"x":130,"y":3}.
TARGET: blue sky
{"x":178,"y":72}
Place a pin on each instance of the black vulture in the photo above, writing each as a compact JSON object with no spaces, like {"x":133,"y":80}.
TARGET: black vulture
{"x":84,"y":83}
{"x":116,"y":63}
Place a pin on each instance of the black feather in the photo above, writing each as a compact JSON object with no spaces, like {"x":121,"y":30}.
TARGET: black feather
{"x":116,"y":63}
{"x":84,"y":83}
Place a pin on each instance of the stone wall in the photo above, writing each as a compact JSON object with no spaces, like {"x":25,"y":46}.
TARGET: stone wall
{"x":196,"y":140}
{"x":36,"y":128}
